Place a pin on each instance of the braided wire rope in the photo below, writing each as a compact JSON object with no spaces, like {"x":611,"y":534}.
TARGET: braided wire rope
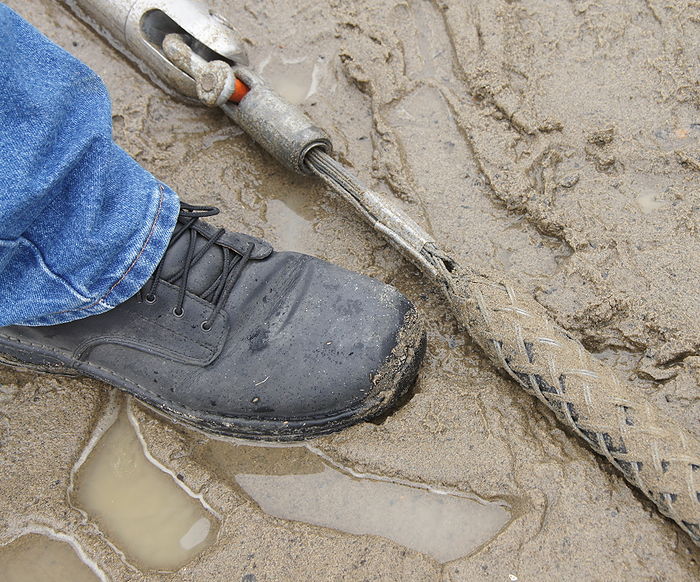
{"x":653,"y":452}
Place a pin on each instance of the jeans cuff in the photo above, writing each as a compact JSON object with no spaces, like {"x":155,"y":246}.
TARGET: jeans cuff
{"x":143,"y":262}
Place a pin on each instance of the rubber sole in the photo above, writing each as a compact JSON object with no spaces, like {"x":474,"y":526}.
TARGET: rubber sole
{"x":398,"y":376}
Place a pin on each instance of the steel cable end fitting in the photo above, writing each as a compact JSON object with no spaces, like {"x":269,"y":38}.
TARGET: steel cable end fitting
{"x":190,"y":51}
{"x":281,"y":128}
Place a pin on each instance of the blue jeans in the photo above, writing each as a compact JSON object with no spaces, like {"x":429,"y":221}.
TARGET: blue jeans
{"x":82,"y":225}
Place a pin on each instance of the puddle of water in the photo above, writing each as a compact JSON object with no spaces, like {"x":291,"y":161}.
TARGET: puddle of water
{"x":292,"y":219}
{"x":671,"y":138}
{"x":142,"y":509}
{"x":294,"y":79}
{"x":296,"y":484}
{"x":36,"y":557}
{"x":648,"y":203}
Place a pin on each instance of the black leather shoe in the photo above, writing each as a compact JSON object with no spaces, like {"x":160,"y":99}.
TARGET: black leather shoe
{"x":237,"y":339}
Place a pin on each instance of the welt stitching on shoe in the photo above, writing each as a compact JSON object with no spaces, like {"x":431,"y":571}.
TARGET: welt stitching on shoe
{"x":133,"y":263}
{"x":149,"y":348}
{"x":155,"y":396}
{"x":197,"y":413}
{"x":97,"y":366}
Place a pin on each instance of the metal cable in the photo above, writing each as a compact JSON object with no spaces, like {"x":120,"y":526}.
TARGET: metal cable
{"x":654,"y":453}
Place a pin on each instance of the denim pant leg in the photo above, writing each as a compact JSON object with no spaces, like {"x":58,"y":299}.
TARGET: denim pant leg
{"x":82,"y":225}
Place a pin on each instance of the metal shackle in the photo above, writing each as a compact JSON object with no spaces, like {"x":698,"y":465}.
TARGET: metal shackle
{"x":138,"y":27}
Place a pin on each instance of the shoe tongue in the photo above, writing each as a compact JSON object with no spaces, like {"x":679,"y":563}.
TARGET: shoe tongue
{"x":203,"y":273}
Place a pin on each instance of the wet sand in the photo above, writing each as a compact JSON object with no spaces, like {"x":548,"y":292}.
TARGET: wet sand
{"x":559,"y":142}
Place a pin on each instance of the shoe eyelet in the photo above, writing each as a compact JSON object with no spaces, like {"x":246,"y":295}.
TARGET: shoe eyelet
{"x":178,"y":313}
{"x":150,"y":299}
{"x":206,"y":326}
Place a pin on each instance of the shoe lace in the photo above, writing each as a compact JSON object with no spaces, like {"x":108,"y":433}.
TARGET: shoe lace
{"x":233,"y":263}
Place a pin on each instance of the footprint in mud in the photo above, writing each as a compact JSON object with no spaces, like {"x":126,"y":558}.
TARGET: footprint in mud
{"x":140,"y":507}
{"x":296,"y":484}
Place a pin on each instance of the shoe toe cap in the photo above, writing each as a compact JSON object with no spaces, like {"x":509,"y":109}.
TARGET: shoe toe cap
{"x":317,"y":343}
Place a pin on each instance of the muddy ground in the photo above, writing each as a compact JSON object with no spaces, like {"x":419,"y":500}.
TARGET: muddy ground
{"x":558,"y":141}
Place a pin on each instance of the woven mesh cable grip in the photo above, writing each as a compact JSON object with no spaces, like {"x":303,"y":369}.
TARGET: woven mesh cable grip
{"x":653,"y":452}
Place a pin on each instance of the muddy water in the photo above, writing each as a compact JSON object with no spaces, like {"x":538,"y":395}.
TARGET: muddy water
{"x":295,"y":79}
{"x":140,"y":508}
{"x":296,"y":484}
{"x":38,"y":558}
{"x":291,"y":218}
